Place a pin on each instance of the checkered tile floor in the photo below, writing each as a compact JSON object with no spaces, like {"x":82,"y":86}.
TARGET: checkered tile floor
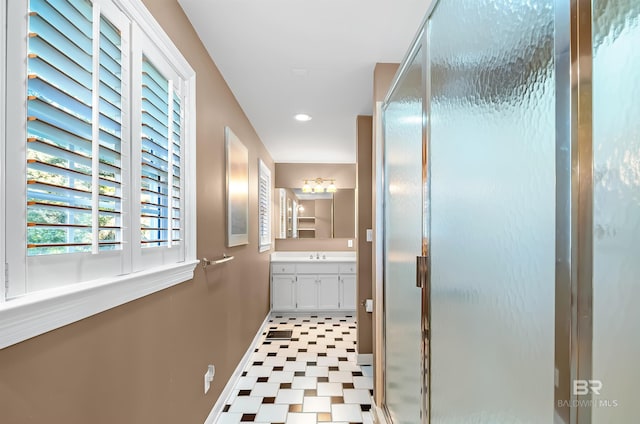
{"x":312,"y":378}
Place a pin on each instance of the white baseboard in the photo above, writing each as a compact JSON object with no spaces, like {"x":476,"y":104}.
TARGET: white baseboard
{"x":228,"y":388}
{"x":365,"y":359}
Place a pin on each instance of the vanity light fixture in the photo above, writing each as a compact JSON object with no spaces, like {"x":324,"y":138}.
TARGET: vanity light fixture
{"x":302,"y":117}
{"x":318,"y":186}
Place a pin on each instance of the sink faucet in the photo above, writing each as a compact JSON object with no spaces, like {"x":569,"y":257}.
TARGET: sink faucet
{"x":317,"y":255}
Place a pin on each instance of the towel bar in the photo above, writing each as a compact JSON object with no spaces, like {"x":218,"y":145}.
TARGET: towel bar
{"x":206,"y":262}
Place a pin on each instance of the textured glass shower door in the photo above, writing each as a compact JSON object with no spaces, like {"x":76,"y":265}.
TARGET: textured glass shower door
{"x":616,"y":210}
{"x":492,"y":200}
{"x":403,"y":135}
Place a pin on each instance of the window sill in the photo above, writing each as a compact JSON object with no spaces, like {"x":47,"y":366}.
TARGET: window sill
{"x":34,"y":314}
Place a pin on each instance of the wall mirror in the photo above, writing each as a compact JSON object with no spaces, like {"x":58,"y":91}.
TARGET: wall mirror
{"x":315,"y":200}
{"x":316,"y":215}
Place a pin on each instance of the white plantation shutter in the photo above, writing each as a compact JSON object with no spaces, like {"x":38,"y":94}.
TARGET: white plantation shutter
{"x":161,"y":184}
{"x":264,"y":206}
{"x":71,"y":208}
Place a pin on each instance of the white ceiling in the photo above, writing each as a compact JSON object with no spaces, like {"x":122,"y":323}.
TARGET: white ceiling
{"x":283,"y":57}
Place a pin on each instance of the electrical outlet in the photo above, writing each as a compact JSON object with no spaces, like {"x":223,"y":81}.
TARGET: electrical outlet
{"x":349,"y":243}
{"x":208,"y":378}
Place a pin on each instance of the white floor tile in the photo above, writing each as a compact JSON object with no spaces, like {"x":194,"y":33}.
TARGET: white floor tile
{"x":367,"y":370}
{"x":329,"y":389}
{"x":316,"y":404}
{"x":363,"y":382}
{"x":346,"y":412}
{"x":304,"y":383}
{"x":246,"y":404}
{"x":259,"y":371}
{"x":361,"y":396}
{"x":290,"y":396}
{"x":275,"y":361}
{"x":281,"y":377}
{"x":246,"y":383}
{"x":328,"y":361}
{"x":271,"y":413}
{"x":295,"y":366}
{"x":340,"y":377}
{"x":301,"y":418}
{"x":317,"y":371}
{"x":229,"y":418}
{"x":265,"y":389}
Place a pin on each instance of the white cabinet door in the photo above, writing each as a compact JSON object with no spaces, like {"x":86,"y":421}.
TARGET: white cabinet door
{"x":307,"y":292}
{"x":348,"y":292}
{"x":328,"y":292}
{"x":282,"y":296}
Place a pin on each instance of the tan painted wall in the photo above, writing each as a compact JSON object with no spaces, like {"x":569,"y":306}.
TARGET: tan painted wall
{"x":313,"y":245}
{"x":383,"y":75}
{"x":143,"y":362}
{"x":365,"y":283}
{"x":291,"y":175}
{"x":344,"y":214}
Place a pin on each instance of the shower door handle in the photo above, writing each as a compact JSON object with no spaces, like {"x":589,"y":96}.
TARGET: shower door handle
{"x":422,"y":271}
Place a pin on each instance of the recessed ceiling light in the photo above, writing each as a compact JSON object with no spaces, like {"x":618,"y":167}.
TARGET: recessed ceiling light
{"x":302,"y":117}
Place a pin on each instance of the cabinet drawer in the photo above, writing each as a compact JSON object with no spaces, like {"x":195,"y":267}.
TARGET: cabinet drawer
{"x":348,"y":268}
{"x":315,"y":268}
{"x":278,"y":268}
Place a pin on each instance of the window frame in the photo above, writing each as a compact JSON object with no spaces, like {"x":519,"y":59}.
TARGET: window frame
{"x":34,"y":313}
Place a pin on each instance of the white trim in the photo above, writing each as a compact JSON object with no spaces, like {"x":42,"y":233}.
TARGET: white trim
{"x":378,"y":414}
{"x":365,"y":359}
{"x":3,"y":129}
{"x":228,"y":388}
{"x":265,"y":173}
{"x":38,"y":313}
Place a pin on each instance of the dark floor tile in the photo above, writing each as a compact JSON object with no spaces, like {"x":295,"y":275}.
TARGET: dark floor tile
{"x":371,"y":391}
{"x":302,"y":350}
{"x":365,"y":407}
{"x":278,"y":368}
{"x":298,"y":374}
{"x":263,"y":379}
{"x":321,"y":336}
{"x":295,"y":408}
{"x":337,"y":399}
{"x":342,"y":359}
{"x":248,"y":418}
{"x":226,"y":408}
{"x":324,"y":417}
{"x":295,"y":340}
{"x":244,"y":393}
{"x":334,"y":369}
{"x":244,"y":373}
{"x":356,"y":373}
{"x":271,"y":354}
{"x":331,"y":346}
{"x":314,"y":316}
{"x":351,"y":350}
{"x":269,"y":400}
{"x":266,"y":343}
{"x":313,"y":342}
{"x":305,"y":333}
{"x":347,"y":385}
{"x":312,"y":364}
{"x":291,"y":358}
{"x":323,"y":379}
{"x":338,"y":339}
{"x":257,"y":363}
{"x":285,"y":385}
{"x":310,"y":392}
{"x":322,"y":354}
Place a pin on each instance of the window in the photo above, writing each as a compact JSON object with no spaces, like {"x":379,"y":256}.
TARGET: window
{"x":264,"y":206}
{"x":100,"y":108}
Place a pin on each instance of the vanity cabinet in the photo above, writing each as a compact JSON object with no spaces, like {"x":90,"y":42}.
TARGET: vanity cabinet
{"x":313,"y":286}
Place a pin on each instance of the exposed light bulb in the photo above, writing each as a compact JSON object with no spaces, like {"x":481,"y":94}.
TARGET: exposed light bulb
{"x":332,"y":187}
{"x":302,"y":117}
{"x":306,"y":188}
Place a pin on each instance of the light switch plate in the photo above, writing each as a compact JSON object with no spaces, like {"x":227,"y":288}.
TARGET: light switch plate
{"x":349,"y":243}
{"x":369,"y":235}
